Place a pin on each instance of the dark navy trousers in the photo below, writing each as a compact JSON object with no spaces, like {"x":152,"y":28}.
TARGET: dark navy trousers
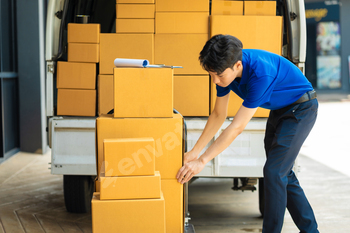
{"x":286,"y":131}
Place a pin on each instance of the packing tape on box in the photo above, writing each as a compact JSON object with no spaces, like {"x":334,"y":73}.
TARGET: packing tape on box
{"x":123,"y":62}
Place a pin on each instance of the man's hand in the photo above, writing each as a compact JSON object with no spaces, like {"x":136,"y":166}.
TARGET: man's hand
{"x":189,"y":170}
{"x":190,"y":156}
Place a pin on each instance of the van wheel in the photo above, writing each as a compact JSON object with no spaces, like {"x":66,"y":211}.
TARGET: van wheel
{"x":261,"y":196}
{"x":78,"y":192}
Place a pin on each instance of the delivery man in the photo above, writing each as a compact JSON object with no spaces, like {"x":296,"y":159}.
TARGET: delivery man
{"x":261,"y":79}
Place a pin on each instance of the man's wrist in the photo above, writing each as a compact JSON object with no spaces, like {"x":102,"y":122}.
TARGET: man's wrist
{"x":202,"y":160}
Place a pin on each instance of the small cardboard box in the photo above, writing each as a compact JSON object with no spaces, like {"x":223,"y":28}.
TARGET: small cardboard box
{"x":129,"y":157}
{"x":182,"y":5}
{"x":134,"y":26}
{"x":105,"y":91}
{"x":143,"y":92}
{"x":180,"y":50}
{"x":135,"y":11}
{"x":191,"y":95}
{"x":135,"y":46}
{"x":76,"y":75}
{"x":255,"y":32}
{"x":82,"y":52}
{"x":220,"y":7}
{"x":266,"y":8}
{"x":141,"y":215}
{"x":130,"y":187}
{"x":73,"y":102}
{"x":84,"y":33}
{"x":182,"y":22}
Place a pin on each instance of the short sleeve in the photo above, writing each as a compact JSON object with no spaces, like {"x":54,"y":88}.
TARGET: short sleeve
{"x":259,"y":91}
{"x":222,"y":91}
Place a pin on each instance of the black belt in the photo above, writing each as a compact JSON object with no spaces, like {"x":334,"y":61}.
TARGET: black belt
{"x":310,"y":95}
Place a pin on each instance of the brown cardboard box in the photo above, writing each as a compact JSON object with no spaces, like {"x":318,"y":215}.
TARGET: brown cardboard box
{"x":255,"y":32}
{"x":141,"y":215}
{"x":180,"y":50}
{"x":73,"y":102}
{"x":182,"y":22}
{"x":129,"y":157}
{"x":234,"y":104}
{"x":220,"y":7}
{"x":135,"y":11}
{"x":80,"y":52}
{"x":84,"y":33}
{"x":135,"y":1}
{"x":173,"y":196}
{"x":76,"y":75}
{"x":166,"y":132}
{"x":105,"y":94}
{"x":182,"y":5}
{"x":191,"y":95}
{"x":136,"y":46}
{"x":267,"y":8}
{"x":135,"y":26}
{"x":130,"y":187}
{"x":143,"y":92}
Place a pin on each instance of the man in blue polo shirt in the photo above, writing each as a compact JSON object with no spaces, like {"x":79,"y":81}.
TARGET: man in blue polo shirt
{"x":261,"y":79}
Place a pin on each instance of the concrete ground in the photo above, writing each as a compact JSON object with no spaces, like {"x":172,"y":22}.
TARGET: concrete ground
{"x":31,"y":199}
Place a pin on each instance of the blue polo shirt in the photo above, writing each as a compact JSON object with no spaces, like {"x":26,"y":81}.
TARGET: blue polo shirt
{"x":268,"y":80}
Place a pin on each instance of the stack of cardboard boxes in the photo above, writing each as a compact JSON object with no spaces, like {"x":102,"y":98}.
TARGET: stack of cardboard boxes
{"x":258,"y":28}
{"x":76,"y":79}
{"x":139,"y":152}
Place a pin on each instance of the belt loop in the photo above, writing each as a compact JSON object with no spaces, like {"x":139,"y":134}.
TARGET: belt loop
{"x":308,"y":94}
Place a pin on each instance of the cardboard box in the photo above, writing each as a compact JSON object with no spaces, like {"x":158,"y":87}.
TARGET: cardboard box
{"x":84,"y":33}
{"x":234,"y":104}
{"x":180,"y":50}
{"x":220,"y":7}
{"x":182,"y":22}
{"x":174,"y":202}
{"x":137,"y":46}
{"x":72,"y":102}
{"x":130,"y":187}
{"x":166,"y":132}
{"x":143,"y":92}
{"x":76,"y":75}
{"x":142,"y":215}
{"x":129,"y":157}
{"x":135,"y":11}
{"x":134,"y":26}
{"x":105,"y":93}
{"x":267,"y":8}
{"x":135,"y":1}
{"x":79,"y":52}
{"x":182,"y":5}
{"x":255,"y":32}
{"x":191,"y":95}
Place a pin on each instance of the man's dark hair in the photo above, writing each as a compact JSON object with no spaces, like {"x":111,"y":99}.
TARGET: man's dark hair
{"x":221,"y":52}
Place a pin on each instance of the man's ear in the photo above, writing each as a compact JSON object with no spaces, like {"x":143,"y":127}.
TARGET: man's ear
{"x":238,"y":65}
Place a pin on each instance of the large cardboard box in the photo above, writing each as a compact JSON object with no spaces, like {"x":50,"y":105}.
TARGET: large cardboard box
{"x":73,"y":102}
{"x":182,"y":22}
{"x":220,"y":7}
{"x":174,"y":202}
{"x":82,"y":52}
{"x":234,"y":104}
{"x":130,"y":187}
{"x":105,"y":91}
{"x":166,"y":132}
{"x":84,"y":33}
{"x":191,"y":95}
{"x":180,"y":50}
{"x":136,"y":46}
{"x":143,"y":92}
{"x":76,"y":75}
{"x":125,"y":216}
{"x":267,"y":8}
{"x":129,"y":157}
{"x":135,"y":1}
{"x":182,"y":5}
{"x":255,"y":32}
{"x":134,"y":26}
{"x":135,"y":11}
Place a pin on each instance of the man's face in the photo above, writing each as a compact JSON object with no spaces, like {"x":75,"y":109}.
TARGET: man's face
{"x":226,"y":77}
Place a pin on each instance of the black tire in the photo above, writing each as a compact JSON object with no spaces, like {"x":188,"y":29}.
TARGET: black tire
{"x":261,"y":196}
{"x":78,"y":192}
